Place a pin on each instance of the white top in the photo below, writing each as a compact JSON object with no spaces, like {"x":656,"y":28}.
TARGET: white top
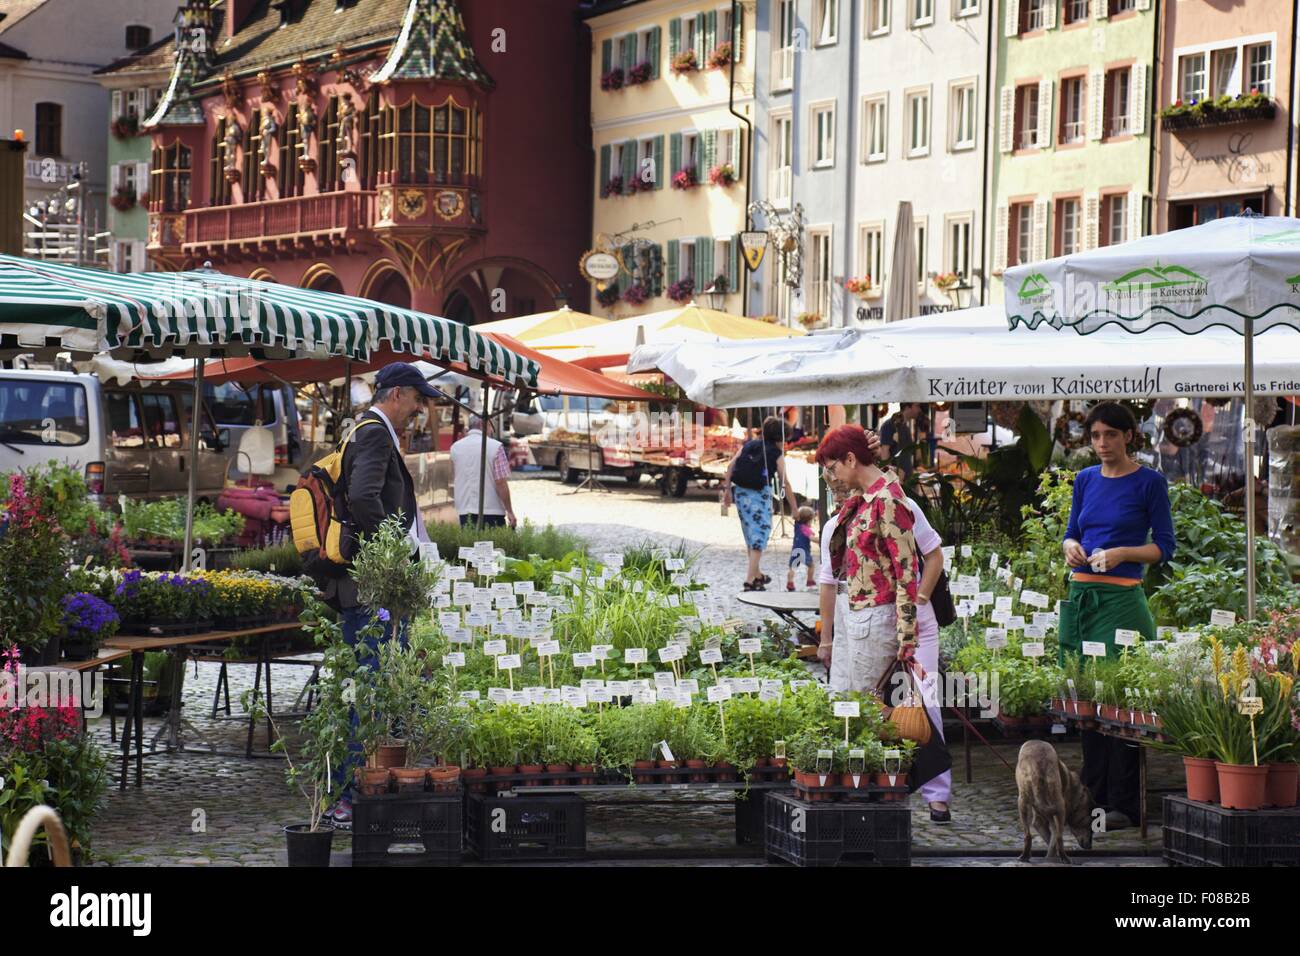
{"x":927,"y":539}
{"x":466,"y":463}
{"x":416,"y":532}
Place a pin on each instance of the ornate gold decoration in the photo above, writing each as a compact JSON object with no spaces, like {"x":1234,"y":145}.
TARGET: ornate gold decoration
{"x":420,"y":258}
{"x":449,"y":204}
{"x":385,"y":205}
{"x":231,"y":90}
{"x":412,"y":203}
{"x":270,"y":92}
{"x":306,"y":80}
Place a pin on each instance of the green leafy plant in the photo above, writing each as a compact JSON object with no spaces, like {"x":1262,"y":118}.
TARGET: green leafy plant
{"x":387,"y":577}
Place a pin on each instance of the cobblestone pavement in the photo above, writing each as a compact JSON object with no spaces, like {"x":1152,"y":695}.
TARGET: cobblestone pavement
{"x":199,"y":809}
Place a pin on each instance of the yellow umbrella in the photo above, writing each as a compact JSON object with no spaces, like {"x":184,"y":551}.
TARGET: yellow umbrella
{"x":528,"y":328}
{"x":724,"y":325}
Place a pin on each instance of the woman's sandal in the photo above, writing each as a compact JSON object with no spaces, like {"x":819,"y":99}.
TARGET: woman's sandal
{"x":755,"y":585}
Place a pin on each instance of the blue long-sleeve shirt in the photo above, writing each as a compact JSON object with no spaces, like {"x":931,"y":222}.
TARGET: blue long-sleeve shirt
{"x":1121,"y":513}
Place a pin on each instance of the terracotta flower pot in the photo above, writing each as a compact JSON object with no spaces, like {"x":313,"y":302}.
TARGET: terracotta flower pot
{"x":1010,"y":720}
{"x":504,"y":771}
{"x":389,"y":755}
{"x":372,"y":781}
{"x":407,"y":779}
{"x":643,"y":777}
{"x":1241,"y":786}
{"x":1283,"y":780}
{"x":588,"y":770}
{"x":532,"y":770}
{"x":696,"y":765}
{"x":559,"y":768}
{"x":1083,"y":709}
{"x":864,"y":781}
{"x":882,"y":780}
{"x":1202,"y":779}
{"x":811,"y":784}
{"x":1108,"y":712}
{"x":444,"y":779}
{"x":726,"y":771}
{"x":473,"y":777}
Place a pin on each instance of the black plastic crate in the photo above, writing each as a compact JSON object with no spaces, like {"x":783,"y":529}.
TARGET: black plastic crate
{"x":837,"y":834}
{"x":407,"y":829}
{"x":751,"y":820}
{"x":527,"y":827}
{"x":1203,"y":834}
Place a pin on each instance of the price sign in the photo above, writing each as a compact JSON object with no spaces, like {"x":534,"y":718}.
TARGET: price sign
{"x":1221,"y":618}
{"x":602,"y":651}
{"x":644,"y":695}
{"x":634,"y":655}
{"x":770,"y":693}
{"x":471,"y":695}
{"x":523,"y":587}
{"x":746,"y":685}
{"x":503,"y":629}
{"x":1186,"y":637}
{"x":1094,"y":648}
{"x":1249,"y":706}
{"x":599,"y":695}
{"x":619,"y":688}
{"x":1034,"y":633}
{"x":966,"y":608}
{"x":456,"y":573}
{"x":584,"y":659}
{"x":476,"y":619}
{"x":688,"y":685}
{"x":442,"y":600}
{"x":670,"y":653}
{"x":548,"y":648}
{"x":995,"y":637}
{"x":449,"y":619}
{"x":465,"y":554}
{"x":1033,"y":599}
{"x":509,"y":662}
{"x":551,"y":695}
{"x":665,"y":679}
{"x":718,"y":693}
{"x":847,"y":708}
{"x":461,"y":635}
{"x":1032,"y":649}
{"x":675,"y":564}
{"x":1003,"y":603}
{"x":1015,"y":622}
{"x":521,"y":698}
{"x":1044,"y":619}
{"x":456,"y":659}
{"x":494,"y":648}
{"x":575,"y":698}
{"x":499,"y":695}
{"x":590,"y":685}
{"x":970,"y":583}
{"x":1000,"y":617}
{"x":711,"y":656}
{"x":984,"y":597}
{"x":751,"y":645}
{"x":1125,"y":637}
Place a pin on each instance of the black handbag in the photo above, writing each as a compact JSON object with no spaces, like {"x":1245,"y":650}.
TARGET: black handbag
{"x":945,"y":612}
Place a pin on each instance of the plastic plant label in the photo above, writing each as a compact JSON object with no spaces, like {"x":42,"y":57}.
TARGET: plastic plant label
{"x":770,"y":693}
{"x":635,"y":655}
{"x":1003,"y":603}
{"x":449,"y":619}
{"x":1098,"y":690}
{"x":966,"y":551}
{"x":747,"y":685}
{"x":552,"y":695}
{"x":509,"y":662}
{"x":668,"y":654}
{"x":711,"y":655}
{"x":688,"y":685}
{"x":984,"y":597}
{"x":574,"y":698}
{"x":970,"y":582}
{"x":465,"y":554}
{"x":1074,"y":691}
{"x":995,"y":638}
{"x":471,"y":695}
{"x":456,"y":659}
{"x":949,"y":553}
{"x":1015,"y":622}
{"x":675,"y":564}
{"x":1249,"y":706}
{"x":602,"y":651}
{"x":600,"y":695}
{"x":590,"y":685}
{"x":1044,"y":619}
{"x":1094,"y":648}
{"x":455,"y":573}
{"x":1004,"y":575}
{"x":825,"y":759}
{"x":584,"y":659}
{"x":751,"y":645}
{"x":1221,"y":618}
{"x":619,"y":688}
{"x":847,"y":708}
{"x":1000,"y":617}
{"x":665,"y":679}
{"x":643,"y":695}
{"x":524,"y":587}
{"x":521,"y":698}
{"x":1186,"y":637}
{"x":461,"y":635}
{"x":993,"y":561}
{"x":502,"y":629}
{"x":1125,"y":637}
{"x":1017,"y":583}
{"x":548,"y":648}
{"x":965,"y":609}
{"x":494,"y":648}
{"x":476,"y":619}
{"x":1034,"y":633}
{"x":719,"y":692}
{"x":1032,"y":649}
{"x":498,"y":695}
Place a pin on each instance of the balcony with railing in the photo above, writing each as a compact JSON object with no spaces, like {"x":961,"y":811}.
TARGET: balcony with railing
{"x":321,"y":218}
{"x":1027,"y":138}
{"x":1072,"y":132}
{"x":1117,"y":126}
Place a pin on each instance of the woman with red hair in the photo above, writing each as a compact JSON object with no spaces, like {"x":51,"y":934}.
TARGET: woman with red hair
{"x":874,"y":560}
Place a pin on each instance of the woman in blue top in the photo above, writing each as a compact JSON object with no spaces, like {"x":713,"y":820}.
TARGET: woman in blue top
{"x":1119,"y":521}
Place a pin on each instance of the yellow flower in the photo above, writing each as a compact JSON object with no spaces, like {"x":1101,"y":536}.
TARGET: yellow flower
{"x":1216,"y":655}
{"x":1240,"y":667}
{"x":1225,"y":684}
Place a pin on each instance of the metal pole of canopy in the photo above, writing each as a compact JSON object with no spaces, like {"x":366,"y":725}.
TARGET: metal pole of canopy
{"x":482,"y":464}
{"x":1250,"y":467}
{"x":196,"y":416}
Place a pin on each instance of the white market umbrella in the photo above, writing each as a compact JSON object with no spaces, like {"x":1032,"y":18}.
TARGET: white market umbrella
{"x":901,"y":299}
{"x":1241,"y":272}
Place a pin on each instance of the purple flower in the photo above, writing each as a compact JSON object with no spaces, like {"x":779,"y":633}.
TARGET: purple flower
{"x":383,"y":614}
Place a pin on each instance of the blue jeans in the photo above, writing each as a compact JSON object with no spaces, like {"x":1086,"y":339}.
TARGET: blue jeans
{"x":355,"y":620}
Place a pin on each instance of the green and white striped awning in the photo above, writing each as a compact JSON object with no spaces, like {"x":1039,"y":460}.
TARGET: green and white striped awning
{"x":151,"y":315}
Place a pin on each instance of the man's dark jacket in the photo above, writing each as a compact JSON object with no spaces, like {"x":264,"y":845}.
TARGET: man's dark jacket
{"x":378,"y":485}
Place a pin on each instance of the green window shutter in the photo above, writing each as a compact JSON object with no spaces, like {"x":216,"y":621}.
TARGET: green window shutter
{"x":674,"y":38}
{"x":629,"y":164}
{"x":604,"y":168}
{"x":625,"y":278}
{"x":674,"y":155}
{"x":656,"y":270}
{"x":674,"y":253}
{"x":652,"y":52}
{"x":704,"y":273}
{"x":660,"y":174}
{"x":629,"y":54}
{"x":738,"y":36}
{"x":606,"y":56}
{"x":710,"y":32}
{"x":710,"y":137}
{"x":701,"y":23}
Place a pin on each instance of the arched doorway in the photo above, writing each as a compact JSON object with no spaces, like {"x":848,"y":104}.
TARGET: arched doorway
{"x":458,"y":308}
{"x":390,"y":288}
{"x":321,"y":278}
{"x":499,"y":289}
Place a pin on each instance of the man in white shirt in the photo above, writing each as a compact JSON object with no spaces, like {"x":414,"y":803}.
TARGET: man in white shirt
{"x":467,"y":460}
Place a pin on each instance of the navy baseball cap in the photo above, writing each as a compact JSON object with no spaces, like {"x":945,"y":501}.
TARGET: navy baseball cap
{"x":401,"y":374}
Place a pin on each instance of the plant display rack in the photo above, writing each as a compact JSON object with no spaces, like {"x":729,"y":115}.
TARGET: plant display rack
{"x":407,"y":829}
{"x":601,"y":778}
{"x":1202,"y":834}
{"x":866,"y":792}
{"x":1119,"y":722}
{"x":853,"y":833}
{"x":511,"y":829}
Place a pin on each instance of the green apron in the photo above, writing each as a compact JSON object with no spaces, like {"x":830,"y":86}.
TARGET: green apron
{"x":1094,"y":611}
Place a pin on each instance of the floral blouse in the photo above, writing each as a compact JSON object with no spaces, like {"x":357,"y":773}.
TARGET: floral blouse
{"x":873,"y":550}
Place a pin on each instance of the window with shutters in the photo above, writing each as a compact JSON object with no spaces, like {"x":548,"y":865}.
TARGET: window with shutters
{"x":1069,"y":227}
{"x":1259,"y":69}
{"x":920,"y":13}
{"x":723,"y":280}
{"x":328,"y":174}
{"x":251,"y":181}
{"x":821,"y":284}
{"x":1191,"y":77}
{"x":782,"y":153}
{"x":1074,"y":11}
{"x":49,"y":129}
{"x":877,"y":19}
{"x":370,"y":126}
{"x":957,"y":244}
{"x":1026,"y":119}
{"x":918,"y":123}
{"x":781,"y":295}
{"x":647,"y":167}
{"x":871,"y":255}
{"x":691,"y":153}
{"x":1119,"y":86}
{"x":1072,"y":110}
{"x":124,"y":255}
{"x":646,"y":52}
{"x":875,"y":128}
{"x":784,"y":18}
{"x":1033,"y":15}
{"x":626,"y":50}
{"x":821,"y":119}
{"x":962,"y":114}
{"x":1120,"y":6}
{"x":171,"y":177}
{"x":826,"y":15}
{"x":1114,"y":219}
{"x":727,"y":149}
{"x":1020,"y":233}
{"x":686,"y":261}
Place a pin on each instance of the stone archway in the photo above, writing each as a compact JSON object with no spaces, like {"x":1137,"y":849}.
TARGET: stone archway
{"x":321,"y":278}
{"x":458,"y":308}
{"x":500,"y":289}
{"x":388,"y":286}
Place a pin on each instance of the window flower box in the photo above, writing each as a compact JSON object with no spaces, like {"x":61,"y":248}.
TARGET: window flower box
{"x":612,"y":188}
{"x":613,"y":80}
{"x":685,"y":178}
{"x":682,"y":290}
{"x":721,"y":56}
{"x":639,"y":184}
{"x":809,"y":320}
{"x":1223,"y":111}
{"x":608,"y":295}
{"x":124,"y":199}
{"x":946,"y":280}
{"x":722,"y":175}
{"x":859,"y":287}
{"x":636,"y":294}
{"x":639,"y":74}
{"x":125,"y":126}
{"x":685,"y":62}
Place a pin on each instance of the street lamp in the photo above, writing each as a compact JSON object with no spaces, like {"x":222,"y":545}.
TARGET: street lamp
{"x":717,"y":293}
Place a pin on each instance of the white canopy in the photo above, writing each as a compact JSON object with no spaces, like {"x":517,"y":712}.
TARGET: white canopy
{"x":970,"y":355}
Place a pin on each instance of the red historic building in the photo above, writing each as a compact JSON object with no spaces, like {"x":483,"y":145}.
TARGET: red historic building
{"x":402,"y":150}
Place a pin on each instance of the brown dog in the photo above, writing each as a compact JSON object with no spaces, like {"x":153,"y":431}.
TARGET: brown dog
{"x":1051,"y":798}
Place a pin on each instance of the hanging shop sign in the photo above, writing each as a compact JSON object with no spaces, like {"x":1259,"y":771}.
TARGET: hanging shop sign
{"x":754,"y":245}
{"x":599,"y":267}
